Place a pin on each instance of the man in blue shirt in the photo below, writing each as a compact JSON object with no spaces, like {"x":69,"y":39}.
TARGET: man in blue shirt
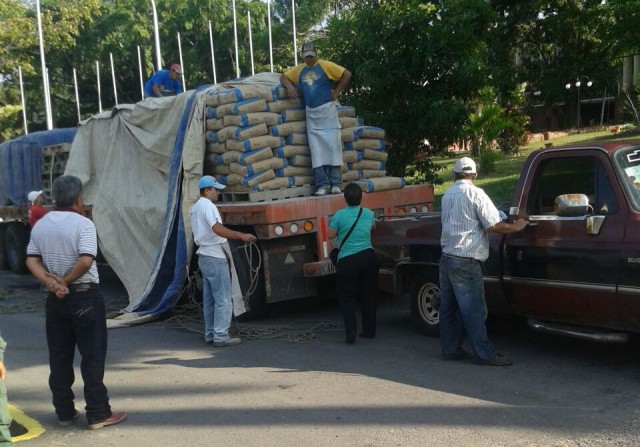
{"x":164,"y":83}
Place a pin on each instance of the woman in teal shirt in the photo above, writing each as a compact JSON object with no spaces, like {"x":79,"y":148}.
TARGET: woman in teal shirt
{"x":357,"y":269}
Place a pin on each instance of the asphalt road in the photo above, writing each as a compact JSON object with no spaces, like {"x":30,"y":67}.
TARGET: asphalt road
{"x":287,"y":391}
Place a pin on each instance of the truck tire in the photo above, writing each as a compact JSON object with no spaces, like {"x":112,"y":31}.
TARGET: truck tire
{"x":3,"y":248}
{"x":425,"y":294}
{"x":256,"y":302}
{"x":16,"y":245}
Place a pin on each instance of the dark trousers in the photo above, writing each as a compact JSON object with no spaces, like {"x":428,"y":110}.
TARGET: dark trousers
{"x":79,"y":320}
{"x":357,"y":281}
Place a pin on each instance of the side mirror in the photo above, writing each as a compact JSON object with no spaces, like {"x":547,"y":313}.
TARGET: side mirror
{"x":572,"y":205}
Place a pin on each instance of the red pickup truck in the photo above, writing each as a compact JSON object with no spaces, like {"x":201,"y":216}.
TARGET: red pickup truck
{"x":575,"y":270}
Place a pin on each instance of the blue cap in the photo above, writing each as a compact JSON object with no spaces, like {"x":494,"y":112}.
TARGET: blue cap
{"x":208,"y":181}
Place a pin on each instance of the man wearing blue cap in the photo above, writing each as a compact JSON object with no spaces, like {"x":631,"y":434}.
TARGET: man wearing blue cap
{"x":211,"y":238}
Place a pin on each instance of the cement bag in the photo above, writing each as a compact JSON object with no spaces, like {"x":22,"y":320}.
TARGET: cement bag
{"x":211,"y":136}
{"x":280,"y":92}
{"x":373,"y":173}
{"x":217,"y":170}
{"x":231,"y":179}
{"x":279,"y":105}
{"x":216,"y":148}
{"x":229,"y":95}
{"x":294,"y":171}
{"x":249,"y":106}
{"x":244,"y":92}
{"x":290,"y":151}
{"x":346,"y":111}
{"x":351,"y":176}
{"x":225,"y":134}
{"x":300,"y":160}
{"x":214,"y":124}
{"x":365,"y":143}
{"x":300,"y":180}
{"x":298,"y":138}
{"x":229,"y":157}
{"x":372,"y":132}
{"x":289,"y":115}
{"x":380,"y":184}
{"x":250,"y":119}
{"x":248,"y":158}
{"x":349,"y":134}
{"x":345,"y":167}
{"x":251,"y":144}
{"x":286,"y":129}
{"x":260,"y":177}
{"x":212,"y":99}
{"x":249,"y":170}
{"x":351,"y":156}
{"x":276,"y":183}
{"x":367,"y":164}
{"x":244,"y":133}
{"x":370,"y":154}
{"x":212,"y":113}
{"x":348,"y":121}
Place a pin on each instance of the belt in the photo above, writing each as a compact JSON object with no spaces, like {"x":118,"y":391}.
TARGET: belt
{"x":82,"y":287}
{"x":458,"y":257}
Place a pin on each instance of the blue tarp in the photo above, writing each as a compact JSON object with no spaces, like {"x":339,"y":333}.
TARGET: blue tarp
{"x":21,"y":163}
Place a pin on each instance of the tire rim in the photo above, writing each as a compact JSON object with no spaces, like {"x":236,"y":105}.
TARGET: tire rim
{"x":427,"y":295}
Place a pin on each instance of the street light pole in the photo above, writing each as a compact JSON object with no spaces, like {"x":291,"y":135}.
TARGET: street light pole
{"x":577,"y":84}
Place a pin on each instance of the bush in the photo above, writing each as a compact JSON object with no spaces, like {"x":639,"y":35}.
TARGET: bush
{"x":488,"y":160}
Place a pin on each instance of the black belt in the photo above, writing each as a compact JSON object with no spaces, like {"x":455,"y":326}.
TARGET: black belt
{"x":458,"y":257}
{"x":82,"y":287}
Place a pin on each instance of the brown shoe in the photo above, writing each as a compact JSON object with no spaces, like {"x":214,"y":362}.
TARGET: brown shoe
{"x":114,"y":419}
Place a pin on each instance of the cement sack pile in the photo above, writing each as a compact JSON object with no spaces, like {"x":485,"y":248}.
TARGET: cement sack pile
{"x":256,"y":140}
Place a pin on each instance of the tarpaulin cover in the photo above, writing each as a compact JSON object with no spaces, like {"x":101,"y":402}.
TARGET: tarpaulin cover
{"x":21,"y":163}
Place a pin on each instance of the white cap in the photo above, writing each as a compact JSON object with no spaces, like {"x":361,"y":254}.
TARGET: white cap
{"x":33,"y":195}
{"x":465,"y":165}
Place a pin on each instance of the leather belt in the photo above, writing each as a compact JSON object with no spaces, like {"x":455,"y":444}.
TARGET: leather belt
{"x":82,"y":287}
{"x":458,"y":257}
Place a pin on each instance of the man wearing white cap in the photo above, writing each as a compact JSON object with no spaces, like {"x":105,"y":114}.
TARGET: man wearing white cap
{"x":211,"y":238}
{"x":164,"y":83}
{"x":36,"y":211}
{"x":468,"y":215}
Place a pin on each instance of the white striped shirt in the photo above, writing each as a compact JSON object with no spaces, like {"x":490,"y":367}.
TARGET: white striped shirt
{"x":467,"y":212}
{"x":60,"y":238}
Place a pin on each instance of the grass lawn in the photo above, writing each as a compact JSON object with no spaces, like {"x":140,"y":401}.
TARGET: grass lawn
{"x":501,"y":184}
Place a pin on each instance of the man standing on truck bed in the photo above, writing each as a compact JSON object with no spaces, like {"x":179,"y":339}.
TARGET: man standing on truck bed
{"x":468,"y":215}
{"x":164,"y":83}
{"x":36,"y":211}
{"x":316,"y":79}
{"x":213,"y":259}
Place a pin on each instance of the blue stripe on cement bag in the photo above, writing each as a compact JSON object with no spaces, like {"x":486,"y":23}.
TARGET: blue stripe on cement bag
{"x":211,"y":112}
{"x":211,"y":136}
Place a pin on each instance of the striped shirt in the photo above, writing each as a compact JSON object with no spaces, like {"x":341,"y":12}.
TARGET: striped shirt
{"x":60,"y":238}
{"x":467,"y":214}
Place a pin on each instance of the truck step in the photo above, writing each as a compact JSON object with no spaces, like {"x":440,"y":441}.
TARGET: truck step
{"x":580,"y":332}
{"x":267,"y":196}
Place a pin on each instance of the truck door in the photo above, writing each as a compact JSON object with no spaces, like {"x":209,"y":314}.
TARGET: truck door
{"x":554,"y":270}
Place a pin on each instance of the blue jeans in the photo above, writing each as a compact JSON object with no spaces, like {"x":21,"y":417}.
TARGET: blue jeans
{"x":462,"y":307}
{"x":328,"y":176}
{"x":78,"y":320}
{"x":216,"y":297}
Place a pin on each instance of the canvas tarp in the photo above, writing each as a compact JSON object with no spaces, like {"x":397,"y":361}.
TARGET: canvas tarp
{"x":140,"y":165}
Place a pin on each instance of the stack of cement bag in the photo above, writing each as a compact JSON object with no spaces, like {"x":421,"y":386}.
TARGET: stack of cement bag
{"x":256,"y":140}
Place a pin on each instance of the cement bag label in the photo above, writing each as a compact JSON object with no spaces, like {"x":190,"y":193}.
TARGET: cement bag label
{"x":289,"y":115}
{"x":365,"y":143}
{"x":243,"y":133}
{"x":348,"y":121}
{"x":260,"y":177}
{"x":291,"y":171}
{"x":216,"y":148}
{"x":291,"y":150}
{"x":281,"y":104}
{"x":370,"y":154}
{"x":367,"y":164}
{"x":247,"y":158}
{"x":346,"y":111}
{"x":251,"y":119}
{"x":249,"y":170}
{"x":287,"y":129}
{"x":214,"y":124}
{"x":300,"y":160}
{"x":254,"y":143}
{"x":298,"y":138}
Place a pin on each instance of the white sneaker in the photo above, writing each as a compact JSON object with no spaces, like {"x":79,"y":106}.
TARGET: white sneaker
{"x":321,"y":192}
{"x":336,"y":190}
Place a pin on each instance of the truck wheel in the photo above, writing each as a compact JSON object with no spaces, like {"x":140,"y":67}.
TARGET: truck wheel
{"x":256,"y":302}
{"x":16,"y":245}
{"x":3,"y":247}
{"x":425,"y":293}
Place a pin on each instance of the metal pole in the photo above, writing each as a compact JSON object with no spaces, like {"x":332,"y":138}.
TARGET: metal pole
{"x":45,"y":84}
{"x":213,"y":56}
{"x":141,"y":79}
{"x":235,"y":37}
{"x":24,"y":104}
{"x":604,"y":98}
{"x":270,"y":42}
{"x":578,"y":106}
{"x":113,"y":78}
{"x":99,"y":91}
{"x":295,"y":41}
{"x":253,"y":71}
{"x":184,"y":85}
{"x":156,"y":35}
{"x":75,"y":86}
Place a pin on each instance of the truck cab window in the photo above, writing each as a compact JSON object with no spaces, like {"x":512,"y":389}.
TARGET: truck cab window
{"x":572,"y":175}
{"x":628,"y":164}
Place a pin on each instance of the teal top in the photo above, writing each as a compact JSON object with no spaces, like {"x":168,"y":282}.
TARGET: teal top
{"x":360,"y":238}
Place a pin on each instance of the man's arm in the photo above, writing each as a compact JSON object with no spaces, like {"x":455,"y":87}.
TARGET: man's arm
{"x":50,"y":282}
{"x":291,"y":89}
{"x":506,"y":227}
{"x":156,"y":90}
{"x":342,"y":84}
{"x":228,"y":233}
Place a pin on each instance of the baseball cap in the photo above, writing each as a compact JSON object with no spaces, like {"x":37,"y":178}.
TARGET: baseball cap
{"x":177,"y":68}
{"x":465,"y":165}
{"x":33,"y":195}
{"x":208,"y":181}
{"x":308,"y":49}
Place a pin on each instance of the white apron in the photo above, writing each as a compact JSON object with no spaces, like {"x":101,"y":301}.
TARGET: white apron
{"x":323,"y":130}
